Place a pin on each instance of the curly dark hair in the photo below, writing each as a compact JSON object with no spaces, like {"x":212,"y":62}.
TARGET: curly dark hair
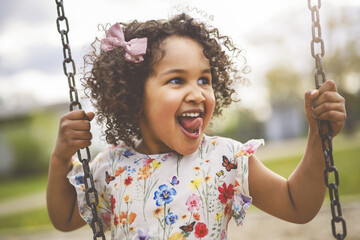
{"x":116,"y":86}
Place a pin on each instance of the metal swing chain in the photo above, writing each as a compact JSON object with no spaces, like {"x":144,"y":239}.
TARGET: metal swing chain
{"x":90,"y":192}
{"x":325,"y":130}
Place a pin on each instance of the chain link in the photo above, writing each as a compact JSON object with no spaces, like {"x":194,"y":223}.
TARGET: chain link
{"x":70,"y":71}
{"x":325,"y":130}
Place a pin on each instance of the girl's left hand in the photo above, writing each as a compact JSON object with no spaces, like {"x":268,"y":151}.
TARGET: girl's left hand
{"x":325,"y":104}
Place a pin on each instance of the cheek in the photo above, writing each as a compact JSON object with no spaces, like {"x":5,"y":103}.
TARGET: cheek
{"x":210,"y":102}
{"x":162,"y":108}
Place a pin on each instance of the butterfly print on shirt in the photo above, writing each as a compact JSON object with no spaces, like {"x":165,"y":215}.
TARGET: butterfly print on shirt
{"x":227,"y":164}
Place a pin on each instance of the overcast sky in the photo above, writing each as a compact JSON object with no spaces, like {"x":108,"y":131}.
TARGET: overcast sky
{"x":31,"y":54}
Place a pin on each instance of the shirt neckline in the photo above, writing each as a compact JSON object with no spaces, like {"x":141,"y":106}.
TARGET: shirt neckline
{"x":170,"y":153}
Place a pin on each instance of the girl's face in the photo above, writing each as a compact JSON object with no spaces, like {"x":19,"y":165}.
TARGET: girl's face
{"x":178,"y":99}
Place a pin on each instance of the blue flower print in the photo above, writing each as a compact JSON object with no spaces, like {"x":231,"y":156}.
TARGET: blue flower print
{"x":241,"y":204}
{"x":246,"y":201}
{"x":79,"y":179}
{"x":237,"y":207}
{"x":143,"y":235}
{"x":174,"y":181}
{"x":171,"y":218}
{"x":128,"y":153}
{"x":164,"y":195}
{"x":129,"y":170}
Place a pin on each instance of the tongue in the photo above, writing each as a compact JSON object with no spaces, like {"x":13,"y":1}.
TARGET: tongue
{"x":191,"y":124}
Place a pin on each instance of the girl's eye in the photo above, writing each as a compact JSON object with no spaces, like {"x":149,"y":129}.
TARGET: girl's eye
{"x":176,"y":81}
{"x":204,"y":81}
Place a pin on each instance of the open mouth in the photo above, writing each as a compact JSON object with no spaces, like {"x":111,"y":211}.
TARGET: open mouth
{"x":191,"y":123}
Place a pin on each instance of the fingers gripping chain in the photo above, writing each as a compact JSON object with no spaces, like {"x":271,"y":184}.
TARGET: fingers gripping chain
{"x":325,"y":130}
{"x":70,"y":71}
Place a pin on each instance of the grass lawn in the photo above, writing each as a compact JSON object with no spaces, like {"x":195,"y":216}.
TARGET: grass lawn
{"x":17,"y":187}
{"x":346,"y":161}
{"x":31,"y":220}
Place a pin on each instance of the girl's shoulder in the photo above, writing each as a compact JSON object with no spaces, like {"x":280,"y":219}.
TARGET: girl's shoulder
{"x":216,"y":140}
{"x":112,"y":152}
{"x":231,"y":145}
{"x":121,"y":147}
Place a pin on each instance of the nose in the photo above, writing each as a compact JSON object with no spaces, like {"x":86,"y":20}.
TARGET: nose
{"x":195,"y":94}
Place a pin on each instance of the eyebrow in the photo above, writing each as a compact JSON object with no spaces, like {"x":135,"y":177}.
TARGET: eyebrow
{"x":171,"y":71}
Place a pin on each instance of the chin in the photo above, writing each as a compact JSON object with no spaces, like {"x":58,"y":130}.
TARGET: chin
{"x":186,"y":152}
{"x":189,"y":150}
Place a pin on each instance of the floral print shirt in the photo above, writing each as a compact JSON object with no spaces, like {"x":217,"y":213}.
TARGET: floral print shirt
{"x":169,"y":196}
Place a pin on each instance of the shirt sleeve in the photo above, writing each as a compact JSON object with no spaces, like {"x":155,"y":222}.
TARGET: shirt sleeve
{"x":242,"y":198}
{"x":76,"y":178}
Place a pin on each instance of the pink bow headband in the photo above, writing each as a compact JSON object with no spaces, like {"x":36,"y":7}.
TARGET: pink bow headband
{"x":135,"y":48}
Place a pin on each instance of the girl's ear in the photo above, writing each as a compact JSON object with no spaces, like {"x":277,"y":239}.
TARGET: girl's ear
{"x":141,"y":111}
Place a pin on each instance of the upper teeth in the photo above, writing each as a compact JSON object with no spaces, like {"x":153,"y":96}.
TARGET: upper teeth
{"x":190,"y":115}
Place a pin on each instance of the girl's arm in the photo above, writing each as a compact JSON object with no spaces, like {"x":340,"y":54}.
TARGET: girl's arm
{"x":299,"y":198}
{"x":74,"y":133}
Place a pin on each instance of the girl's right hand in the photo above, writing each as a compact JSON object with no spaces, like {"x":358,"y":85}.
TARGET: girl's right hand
{"x":74,"y":134}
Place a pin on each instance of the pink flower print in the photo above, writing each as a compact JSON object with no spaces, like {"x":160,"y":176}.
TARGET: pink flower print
{"x":112,"y":204}
{"x":249,"y":149}
{"x":193,"y":202}
{"x":148,"y":161}
{"x":106,"y":217}
{"x":223,"y":235}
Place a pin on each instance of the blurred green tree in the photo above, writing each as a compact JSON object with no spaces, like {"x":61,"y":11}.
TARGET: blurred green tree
{"x":342,"y":61}
{"x":31,"y":140}
{"x":284,"y":86}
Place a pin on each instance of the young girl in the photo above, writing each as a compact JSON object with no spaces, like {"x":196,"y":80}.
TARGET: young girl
{"x":156,"y":86}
